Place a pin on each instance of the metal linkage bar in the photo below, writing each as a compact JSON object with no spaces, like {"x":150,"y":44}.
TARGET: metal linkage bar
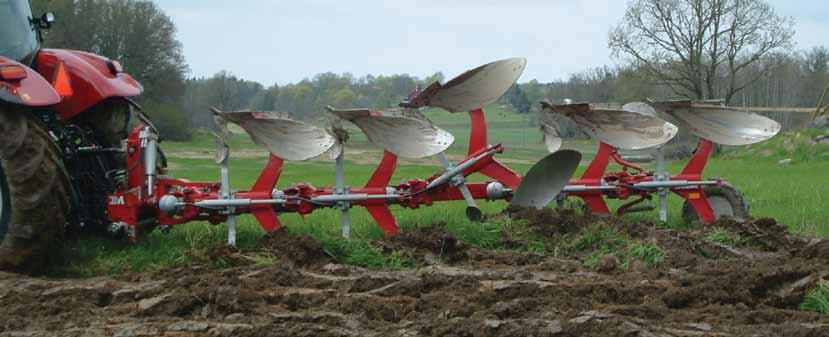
{"x":463,"y":166}
{"x":227,"y":203}
{"x":457,"y":180}
{"x":354,"y":197}
{"x":340,"y":190}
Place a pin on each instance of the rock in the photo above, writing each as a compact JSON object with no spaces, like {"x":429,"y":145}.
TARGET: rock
{"x":124,"y":295}
{"x":221,"y":329}
{"x":608,"y":263}
{"x":136,"y":292}
{"x":235,"y":317}
{"x":588,"y":315}
{"x":335,"y":269}
{"x":134,"y":330}
{"x":149,"y":303}
{"x":554,"y":327}
{"x":188,"y":326}
{"x":785,"y":161}
{"x":596,"y":314}
{"x":493,"y":323}
{"x":701,"y":326}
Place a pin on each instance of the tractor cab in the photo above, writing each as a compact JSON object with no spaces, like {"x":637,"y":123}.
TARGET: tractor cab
{"x":19,"y":30}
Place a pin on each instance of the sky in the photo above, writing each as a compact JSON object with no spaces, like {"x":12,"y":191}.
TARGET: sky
{"x":286,"y":41}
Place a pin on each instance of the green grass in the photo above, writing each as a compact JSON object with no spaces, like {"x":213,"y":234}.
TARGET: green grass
{"x":817,"y":299}
{"x":649,"y":253}
{"x":601,"y":240}
{"x":724,"y":236}
{"x":793,"y":194}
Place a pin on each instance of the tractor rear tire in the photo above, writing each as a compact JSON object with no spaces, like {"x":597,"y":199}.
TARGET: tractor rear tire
{"x":725,"y":200}
{"x":35,"y":192}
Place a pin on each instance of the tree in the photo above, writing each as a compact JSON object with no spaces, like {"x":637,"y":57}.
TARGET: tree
{"x":700,"y":48}
{"x":265,"y":100}
{"x":344,"y":98}
{"x":222,"y":92}
{"x":518,"y":99}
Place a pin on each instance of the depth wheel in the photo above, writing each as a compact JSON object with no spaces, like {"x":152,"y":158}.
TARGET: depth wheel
{"x":725,"y":200}
{"x":34,"y":192}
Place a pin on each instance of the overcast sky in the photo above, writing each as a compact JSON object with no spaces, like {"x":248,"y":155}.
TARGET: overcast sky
{"x":286,"y":41}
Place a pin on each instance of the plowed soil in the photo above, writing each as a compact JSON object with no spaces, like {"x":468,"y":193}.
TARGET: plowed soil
{"x":701,"y":289}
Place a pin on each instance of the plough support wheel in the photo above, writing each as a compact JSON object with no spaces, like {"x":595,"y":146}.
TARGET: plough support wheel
{"x":725,"y":200}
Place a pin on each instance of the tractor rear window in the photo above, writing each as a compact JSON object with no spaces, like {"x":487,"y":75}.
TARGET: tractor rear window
{"x":18,"y":38}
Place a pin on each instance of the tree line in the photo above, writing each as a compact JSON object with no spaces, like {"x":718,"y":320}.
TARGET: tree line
{"x":737,"y":50}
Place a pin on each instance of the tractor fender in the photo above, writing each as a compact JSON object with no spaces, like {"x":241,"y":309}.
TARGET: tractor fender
{"x":33,"y":90}
{"x":93,"y":79}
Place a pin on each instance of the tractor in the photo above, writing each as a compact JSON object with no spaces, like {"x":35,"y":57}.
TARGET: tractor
{"x":63,"y":114}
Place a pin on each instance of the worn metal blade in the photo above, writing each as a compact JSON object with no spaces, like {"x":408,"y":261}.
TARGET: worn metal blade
{"x":405,"y":136}
{"x":720,"y":124}
{"x":340,"y":134}
{"x":546,"y":179}
{"x":640,"y":108}
{"x":283,"y":136}
{"x":473,"y":89}
{"x":550,"y":133}
{"x":630,"y":130}
{"x":221,"y":136}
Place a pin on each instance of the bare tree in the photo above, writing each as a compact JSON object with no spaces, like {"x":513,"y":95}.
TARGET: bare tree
{"x":699,"y":48}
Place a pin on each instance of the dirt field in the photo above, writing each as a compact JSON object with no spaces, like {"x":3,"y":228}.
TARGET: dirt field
{"x":701,"y":289}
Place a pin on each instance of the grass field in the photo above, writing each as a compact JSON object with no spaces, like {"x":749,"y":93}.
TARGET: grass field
{"x":793,"y":194}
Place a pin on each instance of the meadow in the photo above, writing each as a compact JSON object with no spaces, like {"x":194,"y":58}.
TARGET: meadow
{"x":792,"y":193}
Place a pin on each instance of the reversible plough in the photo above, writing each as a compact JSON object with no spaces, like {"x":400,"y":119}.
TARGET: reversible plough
{"x":404,"y":132}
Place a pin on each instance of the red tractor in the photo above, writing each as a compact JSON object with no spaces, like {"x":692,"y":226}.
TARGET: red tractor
{"x":63,"y":114}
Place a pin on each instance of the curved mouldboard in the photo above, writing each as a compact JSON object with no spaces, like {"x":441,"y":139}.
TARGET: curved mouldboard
{"x":283,"y":136}
{"x":546,"y":179}
{"x":720,"y":124}
{"x":624,"y":129}
{"x":405,"y":136}
{"x":473,"y":89}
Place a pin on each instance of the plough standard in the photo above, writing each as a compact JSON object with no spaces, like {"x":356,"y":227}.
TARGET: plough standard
{"x":149,"y":199}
